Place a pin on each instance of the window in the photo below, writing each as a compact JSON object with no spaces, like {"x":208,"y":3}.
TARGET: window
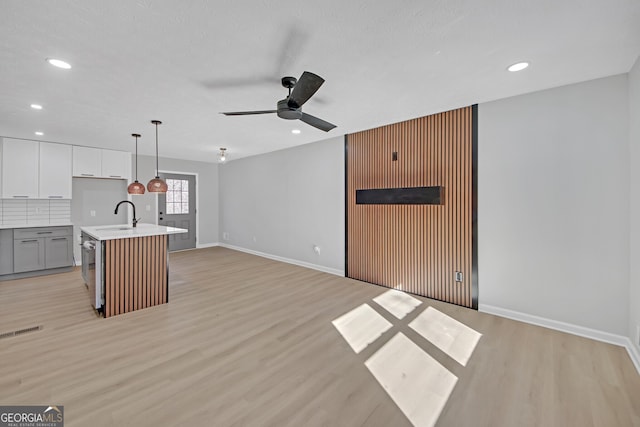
{"x":177,"y":196}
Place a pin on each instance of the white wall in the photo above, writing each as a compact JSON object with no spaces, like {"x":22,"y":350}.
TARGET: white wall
{"x":285,"y":202}
{"x":207,"y":193}
{"x":634,"y":140}
{"x":553,"y":204}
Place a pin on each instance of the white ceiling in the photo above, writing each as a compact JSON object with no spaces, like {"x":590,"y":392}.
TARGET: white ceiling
{"x":183,"y":62}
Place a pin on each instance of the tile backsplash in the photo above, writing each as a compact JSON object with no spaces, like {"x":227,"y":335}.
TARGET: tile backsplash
{"x":35,"y":211}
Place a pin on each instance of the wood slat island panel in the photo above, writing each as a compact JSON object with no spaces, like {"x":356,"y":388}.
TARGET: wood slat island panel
{"x":417,"y":248}
{"x":135,"y":274}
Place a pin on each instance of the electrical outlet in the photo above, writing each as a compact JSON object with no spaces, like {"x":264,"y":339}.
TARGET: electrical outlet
{"x":255,"y":239}
{"x":316,"y":249}
{"x":225,"y":235}
{"x":92,"y":213}
{"x":459,"y":276}
{"x":148,"y":207}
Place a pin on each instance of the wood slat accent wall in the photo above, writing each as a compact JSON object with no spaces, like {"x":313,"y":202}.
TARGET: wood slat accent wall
{"x":135,"y":274}
{"x":415,"y":248}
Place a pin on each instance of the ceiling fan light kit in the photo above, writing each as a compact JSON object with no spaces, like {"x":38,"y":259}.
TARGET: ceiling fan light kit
{"x":290,"y":108}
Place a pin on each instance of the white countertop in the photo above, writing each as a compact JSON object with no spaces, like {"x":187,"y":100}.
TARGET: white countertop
{"x":125,"y":231}
{"x":33,"y":225}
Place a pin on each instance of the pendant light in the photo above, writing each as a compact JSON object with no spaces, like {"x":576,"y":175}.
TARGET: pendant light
{"x":135,"y":187}
{"x":157,"y":185}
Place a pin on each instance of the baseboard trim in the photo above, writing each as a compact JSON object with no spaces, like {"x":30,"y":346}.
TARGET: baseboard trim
{"x":634,"y":354}
{"x":207,"y":245}
{"x":566,"y":327}
{"x":322,"y":268}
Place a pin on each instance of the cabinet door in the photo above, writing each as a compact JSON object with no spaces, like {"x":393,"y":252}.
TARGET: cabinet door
{"x":58,"y":252}
{"x":28,"y":255}
{"x":86,"y":161}
{"x":55,"y":171}
{"x":6,"y":251}
{"x":20,"y":169}
{"x":116,"y":164}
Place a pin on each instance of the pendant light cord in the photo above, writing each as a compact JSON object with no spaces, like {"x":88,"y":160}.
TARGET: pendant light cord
{"x":136,"y":159}
{"x":157,"y":122}
{"x":157,"y":176}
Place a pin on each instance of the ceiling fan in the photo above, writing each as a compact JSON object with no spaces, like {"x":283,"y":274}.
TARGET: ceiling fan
{"x":290,"y":108}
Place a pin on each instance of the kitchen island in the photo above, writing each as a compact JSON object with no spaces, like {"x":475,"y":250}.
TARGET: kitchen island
{"x":126,"y":268}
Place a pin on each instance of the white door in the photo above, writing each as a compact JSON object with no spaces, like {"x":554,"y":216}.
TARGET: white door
{"x":20,"y":159}
{"x":87,"y":161}
{"x":55,"y":171}
{"x":116,"y":164}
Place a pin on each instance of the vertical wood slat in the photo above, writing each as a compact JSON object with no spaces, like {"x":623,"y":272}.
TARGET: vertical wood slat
{"x":135,"y":274}
{"x":417,"y":248}
{"x":108,"y":278}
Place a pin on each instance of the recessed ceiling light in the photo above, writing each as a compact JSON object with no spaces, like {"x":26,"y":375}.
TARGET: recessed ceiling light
{"x":518,"y":66}
{"x":36,"y":106}
{"x":59,"y":63}
{"x":39,"y":133}
{"x":295,"y":131}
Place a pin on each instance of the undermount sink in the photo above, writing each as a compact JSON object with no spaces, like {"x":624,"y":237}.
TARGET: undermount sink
{"x":119,"y":227}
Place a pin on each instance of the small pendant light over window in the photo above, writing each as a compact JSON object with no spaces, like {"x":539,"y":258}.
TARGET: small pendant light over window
{"x":157,"y":185}
{"x":135,"y":187}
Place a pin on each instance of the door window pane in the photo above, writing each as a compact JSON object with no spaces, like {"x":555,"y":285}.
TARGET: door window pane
{"x":177,"y":196}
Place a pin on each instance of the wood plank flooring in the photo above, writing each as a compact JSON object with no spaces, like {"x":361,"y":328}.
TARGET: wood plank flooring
{"x":247,"y":341}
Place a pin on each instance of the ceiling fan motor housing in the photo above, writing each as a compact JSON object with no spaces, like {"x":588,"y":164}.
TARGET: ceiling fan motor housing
{"x":289,"y":82}
{"x":287,"y":112}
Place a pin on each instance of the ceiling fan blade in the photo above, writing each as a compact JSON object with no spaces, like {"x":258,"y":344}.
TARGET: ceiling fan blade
{"x":316,"y":122}
{"x":248,"y":113}
{"x":304,"y":89}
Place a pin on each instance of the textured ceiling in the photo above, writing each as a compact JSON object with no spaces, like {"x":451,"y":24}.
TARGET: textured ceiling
{"x":183,"y":62}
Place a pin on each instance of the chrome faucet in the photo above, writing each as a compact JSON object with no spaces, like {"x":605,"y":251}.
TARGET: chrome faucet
{"x":135,"y":220}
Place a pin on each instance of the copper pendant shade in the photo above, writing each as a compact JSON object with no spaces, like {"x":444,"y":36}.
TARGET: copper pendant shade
{"x":135,"y":187}
{"x":157,"y":185}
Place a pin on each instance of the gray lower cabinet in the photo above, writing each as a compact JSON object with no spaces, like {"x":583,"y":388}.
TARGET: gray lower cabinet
{"x":28,"y":255}
{"x":58,"y":252}
{"x":6,"y":251}
{"x":42,"y":248}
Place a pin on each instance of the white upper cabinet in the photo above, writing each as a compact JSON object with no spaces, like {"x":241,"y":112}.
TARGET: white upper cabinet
{"x":87,"y":161}
{"x":55,"y":171}
{"x":20,"y":169}
{"x":98,"y":163}
{"x":116,"y":164}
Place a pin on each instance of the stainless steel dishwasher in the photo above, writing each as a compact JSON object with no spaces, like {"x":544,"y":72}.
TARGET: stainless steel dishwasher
{"x":92,"y":269}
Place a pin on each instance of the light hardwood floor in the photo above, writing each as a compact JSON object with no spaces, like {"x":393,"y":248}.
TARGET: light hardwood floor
{"x":249,"y":341}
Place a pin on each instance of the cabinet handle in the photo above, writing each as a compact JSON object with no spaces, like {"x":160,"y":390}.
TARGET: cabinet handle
{"x":29,"y":241}
{"x":58,"y":238}
{"x":20,"y":197}
{"x":44,"y":232}
{"x":86,"y":174}
{"x":55,"y":197}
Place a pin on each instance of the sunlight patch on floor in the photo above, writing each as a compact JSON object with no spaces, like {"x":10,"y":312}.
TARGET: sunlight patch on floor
{"x":361,"y":326}
{"x":452,"y":337}
{"x":415,"y":381}
{"x":397,"y":303}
